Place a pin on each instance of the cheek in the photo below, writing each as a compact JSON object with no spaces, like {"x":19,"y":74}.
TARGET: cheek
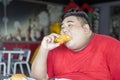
{"x":77,"y":35}
{"x":76,"y":32}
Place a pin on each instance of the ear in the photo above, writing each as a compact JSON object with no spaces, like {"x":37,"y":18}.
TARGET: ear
{"x":86,"y":28}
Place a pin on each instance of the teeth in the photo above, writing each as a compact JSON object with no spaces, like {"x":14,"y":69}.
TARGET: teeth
{"x":62,"y":39}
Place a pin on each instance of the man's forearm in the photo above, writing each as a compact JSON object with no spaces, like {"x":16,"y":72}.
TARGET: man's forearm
{"x":38,"y":69}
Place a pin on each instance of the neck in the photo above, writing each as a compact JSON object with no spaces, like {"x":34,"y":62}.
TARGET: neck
{"x":87,"y":42}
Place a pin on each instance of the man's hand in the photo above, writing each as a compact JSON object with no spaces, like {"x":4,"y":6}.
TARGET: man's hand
{"x":48,"y":42}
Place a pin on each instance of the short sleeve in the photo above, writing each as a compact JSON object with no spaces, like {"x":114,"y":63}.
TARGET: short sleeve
{"x":50,"y":67}
{"x":113,"y":60}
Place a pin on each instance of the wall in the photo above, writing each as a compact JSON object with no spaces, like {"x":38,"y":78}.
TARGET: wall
{"x":105,"y":15}
{"x":27,"y":23}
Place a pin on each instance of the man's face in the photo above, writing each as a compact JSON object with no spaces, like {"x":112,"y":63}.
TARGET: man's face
{"x":74,"y":28}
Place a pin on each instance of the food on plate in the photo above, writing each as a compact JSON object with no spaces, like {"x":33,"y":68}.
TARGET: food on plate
{"x":18,"y":77}
{"x":62,"y":39}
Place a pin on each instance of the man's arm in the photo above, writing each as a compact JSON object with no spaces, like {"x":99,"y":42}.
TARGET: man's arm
{"x":39,"y":66}
{"x":38,"y":69}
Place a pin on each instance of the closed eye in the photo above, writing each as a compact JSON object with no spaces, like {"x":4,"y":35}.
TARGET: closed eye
{"x":70,"y":25}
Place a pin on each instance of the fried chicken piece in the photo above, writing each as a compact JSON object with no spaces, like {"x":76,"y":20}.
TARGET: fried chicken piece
{"x":62,"y":39}
{"x":18,"y":77}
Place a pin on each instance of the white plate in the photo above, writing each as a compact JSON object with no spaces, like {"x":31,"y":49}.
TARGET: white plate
{"x":28,"y":78}
{"x":62,"y":79}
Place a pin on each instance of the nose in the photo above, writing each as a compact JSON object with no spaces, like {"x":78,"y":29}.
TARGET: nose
{"x":64,"y":31}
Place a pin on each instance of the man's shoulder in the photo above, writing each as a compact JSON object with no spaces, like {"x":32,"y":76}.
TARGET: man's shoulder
{"x":106,"y":40}
{"x":105,"y":37}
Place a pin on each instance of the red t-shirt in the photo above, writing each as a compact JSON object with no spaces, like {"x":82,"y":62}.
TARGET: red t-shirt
{"x":100,"y":60}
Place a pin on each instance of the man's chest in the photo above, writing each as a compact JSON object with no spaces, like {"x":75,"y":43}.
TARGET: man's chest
{"x":85,"y":62}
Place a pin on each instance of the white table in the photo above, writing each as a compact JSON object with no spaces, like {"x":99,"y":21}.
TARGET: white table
{"x":10,"y":52}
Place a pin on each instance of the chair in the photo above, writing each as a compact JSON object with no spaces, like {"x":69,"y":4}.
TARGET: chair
{"x":2,"y":64}
{"x":23,"y":59}
{"x":4,"y":67}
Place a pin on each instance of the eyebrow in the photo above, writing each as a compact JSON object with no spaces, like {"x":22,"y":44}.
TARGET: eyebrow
{"x":67,"y":22}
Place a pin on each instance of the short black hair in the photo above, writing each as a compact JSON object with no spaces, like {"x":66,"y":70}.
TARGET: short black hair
{"x":80,"y":14}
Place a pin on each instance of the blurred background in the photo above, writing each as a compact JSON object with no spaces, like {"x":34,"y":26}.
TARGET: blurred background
{"x":23,"y":23}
